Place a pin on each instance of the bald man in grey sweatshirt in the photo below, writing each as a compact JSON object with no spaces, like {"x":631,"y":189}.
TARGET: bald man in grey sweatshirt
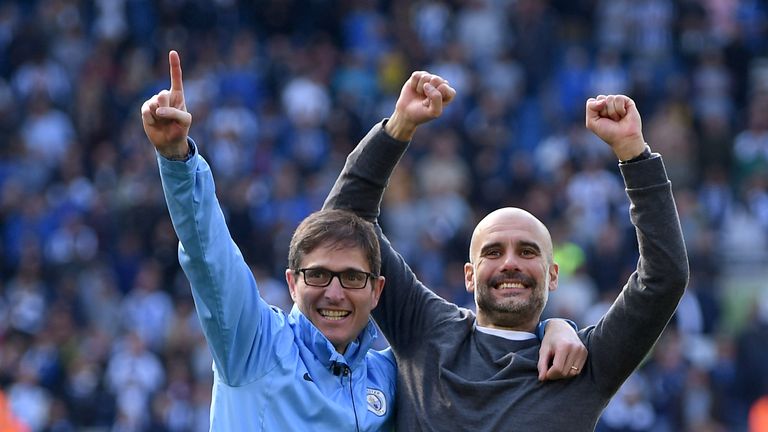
{"x":460,"y":370}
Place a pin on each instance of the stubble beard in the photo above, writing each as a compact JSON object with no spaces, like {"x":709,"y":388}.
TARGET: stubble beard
{"x":511,"y":311}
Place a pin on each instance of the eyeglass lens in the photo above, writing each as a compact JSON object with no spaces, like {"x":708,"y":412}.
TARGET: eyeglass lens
{"x":322,"y":277}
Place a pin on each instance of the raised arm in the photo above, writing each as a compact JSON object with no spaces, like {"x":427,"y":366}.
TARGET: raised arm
{"x":224,"y":290}
{"x":360,"y":188}
{"x":624,"y":336}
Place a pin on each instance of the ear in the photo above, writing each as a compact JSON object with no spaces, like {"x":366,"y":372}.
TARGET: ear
{"x":377,"y":286}
{"x":554,"y":271}
{"x":290,"y":278}
{"x":469,"y":277}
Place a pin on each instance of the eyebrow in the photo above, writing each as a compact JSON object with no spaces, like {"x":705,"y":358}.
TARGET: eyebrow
{"x":486,"y":247}
{"x":337,"y":271}
{"x":519,"y":244}
{"x":530,"y":244}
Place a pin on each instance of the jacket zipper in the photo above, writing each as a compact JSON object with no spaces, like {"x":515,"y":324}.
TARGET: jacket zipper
{"x":347,"y":372}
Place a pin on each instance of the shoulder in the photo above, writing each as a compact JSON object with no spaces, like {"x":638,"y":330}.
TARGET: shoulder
{"x":382,"y":359}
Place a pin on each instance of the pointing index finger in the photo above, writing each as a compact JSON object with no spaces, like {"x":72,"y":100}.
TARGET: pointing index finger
{"x":175,"y":64}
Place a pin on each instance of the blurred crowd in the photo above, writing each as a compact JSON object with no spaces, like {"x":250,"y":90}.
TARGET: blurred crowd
{"x":97,"y":326}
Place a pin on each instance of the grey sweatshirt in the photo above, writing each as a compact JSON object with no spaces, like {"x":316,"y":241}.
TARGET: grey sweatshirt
{"x":452,"y":377}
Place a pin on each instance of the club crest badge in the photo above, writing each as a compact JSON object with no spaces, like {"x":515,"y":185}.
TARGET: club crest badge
{"x":377,"y":404}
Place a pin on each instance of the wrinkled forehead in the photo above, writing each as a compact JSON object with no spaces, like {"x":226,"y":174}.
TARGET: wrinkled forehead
{"x":507,"y":225}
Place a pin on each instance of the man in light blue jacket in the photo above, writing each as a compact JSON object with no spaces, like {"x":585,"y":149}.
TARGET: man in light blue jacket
{"x":311,"y":369}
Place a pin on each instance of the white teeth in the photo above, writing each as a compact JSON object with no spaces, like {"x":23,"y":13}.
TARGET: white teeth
{"x":511,"y":285}
{"x":333,"y":314}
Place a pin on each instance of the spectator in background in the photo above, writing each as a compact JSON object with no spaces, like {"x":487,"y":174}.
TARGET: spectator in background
{"x":134,"y":374}
{"x":8,"y":420}
{"x":750,"y":146}
{"x":751,"y":358}
{"x":758,"y":415}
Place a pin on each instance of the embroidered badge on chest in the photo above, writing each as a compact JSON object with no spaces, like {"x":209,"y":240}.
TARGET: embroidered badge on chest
{"x":377,"y":403}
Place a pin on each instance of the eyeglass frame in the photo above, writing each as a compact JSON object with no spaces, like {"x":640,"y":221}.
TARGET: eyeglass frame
{"x":335,"y":274}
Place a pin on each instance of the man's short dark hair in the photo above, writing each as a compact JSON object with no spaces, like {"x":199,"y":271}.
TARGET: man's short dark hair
{"x":336,"y":229}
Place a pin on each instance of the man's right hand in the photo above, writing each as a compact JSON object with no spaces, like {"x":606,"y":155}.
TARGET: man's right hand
{"x":422,"y":99}
{"x":165,"y":117}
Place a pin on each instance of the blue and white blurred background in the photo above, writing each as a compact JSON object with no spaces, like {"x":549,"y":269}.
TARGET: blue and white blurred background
{"x":97,"y":327}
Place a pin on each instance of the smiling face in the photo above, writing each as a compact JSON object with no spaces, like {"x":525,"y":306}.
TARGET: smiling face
{"x":510,"y":270}
{"x":339,"y":313}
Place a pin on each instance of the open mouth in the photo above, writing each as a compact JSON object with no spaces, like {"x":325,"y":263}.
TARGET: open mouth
{"x":510,"y":286}
{"x":333,"y":315}
{"x":513,"y":281}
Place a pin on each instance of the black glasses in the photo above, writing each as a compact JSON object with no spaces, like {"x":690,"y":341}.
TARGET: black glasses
{"x":349,"y":279}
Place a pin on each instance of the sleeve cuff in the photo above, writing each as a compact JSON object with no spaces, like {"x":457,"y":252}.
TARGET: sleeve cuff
{"x":543,"y":325}
{"x":644,"y":173}
{"x":180,"y":166}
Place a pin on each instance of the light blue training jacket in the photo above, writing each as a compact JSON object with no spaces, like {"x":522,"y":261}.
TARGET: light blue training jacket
{"x":272,"y":371}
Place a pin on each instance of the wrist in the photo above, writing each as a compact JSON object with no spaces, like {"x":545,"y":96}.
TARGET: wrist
{"x":636,"y":157}
{"x":181,"y":155}
{"x":399,"y":129}
{"x":541,"y":328}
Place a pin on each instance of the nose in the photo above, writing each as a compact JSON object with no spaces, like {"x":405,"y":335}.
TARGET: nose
{"x":509,"y":262}
{"x":334,"y":291}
